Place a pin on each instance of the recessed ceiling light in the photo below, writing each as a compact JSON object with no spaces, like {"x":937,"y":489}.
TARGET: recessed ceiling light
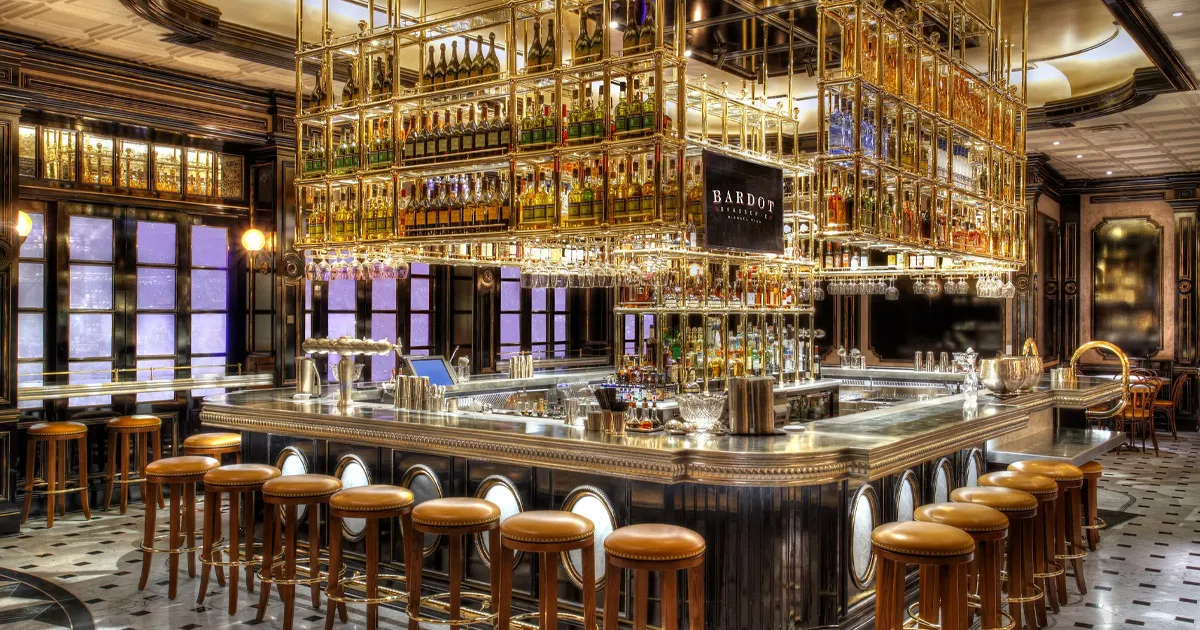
{"x":1108,"y":172}
{"x":1079,"y":155}
{"x":1056,"y":143}
{"x":1177,"y":14}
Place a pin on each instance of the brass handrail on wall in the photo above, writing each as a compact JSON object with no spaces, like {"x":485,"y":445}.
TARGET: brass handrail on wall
{"x":1095,"y":344}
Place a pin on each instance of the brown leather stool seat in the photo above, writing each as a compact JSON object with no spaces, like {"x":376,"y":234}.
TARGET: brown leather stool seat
{"x":56,"y":429}
{"x":180,"y":474}
{"x":989,"y":528}
{"x":1068,"y":516}
{"x":995,"y":497}
{"x":547,"y":533}
{"x":283,"y":496}
{"x":1092,"y":471}
{"x":135,"y":422}
{"x":942,"y":552}
{"x":372,"y":498}
{"x":1045,"y":569}
{"x":666,"y":550}
{"x":240,"y":482}
{"x":214,"y":444}
{"x":456,"y":518}
{"x":1020,"y":508}
{"x":56,"y":437}
{"x":654,"y":542}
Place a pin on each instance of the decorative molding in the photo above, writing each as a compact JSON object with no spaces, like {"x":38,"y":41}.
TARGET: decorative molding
{"x":1122,"y":198}
{"x":1041,"y":178}
{"x":1144,"y":85}
{"x":1185,"y":277}
{"x":1170,"y":181}
{"x":1137,"y":21}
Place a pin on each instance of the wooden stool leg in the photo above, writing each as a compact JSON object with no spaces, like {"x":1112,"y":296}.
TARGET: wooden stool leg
{"x":1074,"y":521}
{"x":455,"y":579}
{"x":63,"y":461}
{"x":51,"y":483}
{"x":314,"y":551}
{"x":506,"y":566}
{"x":1090,"y":511}
{"x":234,"y":551}
{"x":335,"y":569}
{"x":148,"y":537}
{"x":189,"y":524}
{"x":288,"y":592}
{"x":989,"y":556}
{"x":373,"y":570}
{"x":124,"y":439}
{"x":497,"y":580}
{"x":248,"y":523}
{"x":173,"y":521}
{"x":953,"y":588}
{"x":641,"y":598}
{"x":889,"y":595}
{"x":1028,"y":550}
{"x":270,"y":515}
{"x":208,"y":536}
{"x":143,"y":440}
{"x":589,"y":587}
{"x":696,"y":597}
{"x":670,"y":600}
{"x":157,"y":456}
{"x":928,"y":593}
{"x":30,"y":458}
{"x":548,"y":593}
{"x":1057,"y":527}
{"x":1042,"y":551}
{"x":82,"y":456}
{"x":111,"y":472}
{"x":612,"y":595}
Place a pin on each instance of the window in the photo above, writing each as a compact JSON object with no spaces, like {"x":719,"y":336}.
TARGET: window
{"x":201,"y":166}
{"x":28,"y":151}
{"x":210,"y":302}
{"x":510,"y":312}
{"x":31,"y":308}
{"x":341,"y":323}
{"x":156,"y":317}
{"x":420,"y":317}
{"x":384,"y":319}
{"x":90,"y":304}
{"x":548,"y":323}
{"x":97,"y":159}
{"x":58,"y":153}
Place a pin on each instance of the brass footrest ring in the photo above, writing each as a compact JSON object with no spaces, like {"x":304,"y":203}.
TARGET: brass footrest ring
{"x":308,"y":581}
{"x":1071,"y":556}
{"x":1038,"y":594}
{"x":164,"y":537}
{"x":915,"y":621}
{"x":130,"y":481}
{"x":520,"y":620}
{"x":1010,"y":623}
{"x":1098,"y":524}
{"x":468,"y":616}
{"x":222,"y":546}
{"x":359,"y":582}
{"x":1058,"y":570}
{"x":42,"y":493}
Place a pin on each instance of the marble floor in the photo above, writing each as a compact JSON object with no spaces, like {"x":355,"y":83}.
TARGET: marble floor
{"x":83,"y":575}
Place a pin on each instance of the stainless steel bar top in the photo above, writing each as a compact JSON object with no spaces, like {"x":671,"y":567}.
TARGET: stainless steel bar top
{"x":1072,"y":446}
{"x":865,"y":445}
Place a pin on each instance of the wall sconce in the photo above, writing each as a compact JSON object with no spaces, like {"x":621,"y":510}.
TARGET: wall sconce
{"x":24,"y":224}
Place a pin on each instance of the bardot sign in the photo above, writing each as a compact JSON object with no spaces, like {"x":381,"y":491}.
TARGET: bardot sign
{"x":743,"y":205}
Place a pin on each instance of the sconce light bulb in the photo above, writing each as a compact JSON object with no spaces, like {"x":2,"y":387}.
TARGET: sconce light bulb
{"x":254,"y":240}
{"x":24,"y":224}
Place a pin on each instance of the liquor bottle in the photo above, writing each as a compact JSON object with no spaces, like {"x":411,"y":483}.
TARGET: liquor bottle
{"x":545,"y":200}
{"x":596,"y":43}
{"x":452,"y":68}
{"x":908,"y":224}
{"x":592,"y":203}
{"x":526,"y":137}
{"x":468,"y":131}
{"x":924,"y":223}
{"x":828,"y":259}
{"x":506,"y":129}
{"x":430,"y":71}
{"x":647,"y":31}
{"x":583,"y":44}
{"x":846,"y":257}
{"x":835,"y":205}
{"x":617,"y":193}
{"x":376,"y":77}
{"x":549,"y":48}
{"x":320,"y":94}
{"x":533,"y":50}
{"x":492,"y":136}
{"x":431,"y":133}
{"x":415,"y":142}
{"x":454,"y":135}
{"x":695,"y":198}
{"x":575,"y":197}
{"x":445,"y":203}
{"x":635,"y":108}
{"x":479,"y":143}
{"x":443,"y":137}
{"x":458,"y":209}
{"x":549,"y":126}
{"x":575,"y":118}
{"x":621,"y":114}
{"x":491,"y":66}
{"x":629,"y":40}
{"x":649,"y":189}
{"x":439,"y":71}
{"x":586,"y":127}
{"x":350,"y":89}
{"x":403,"y":211}
{"x":633,"y":193}
{"x":648,"y":108}
{"x":561,"y":138}
{"x":671,"y":193}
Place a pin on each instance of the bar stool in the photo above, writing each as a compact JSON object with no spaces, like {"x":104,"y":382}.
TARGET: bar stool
{"x":57,"y":437}
{"x":665,"y":549}
{"x":239,"y":481}
{"x":1068,"y":518}
{"x":214,"y":445}
{"x":947,"y":550}
{"x":373,"y":504}
{"x":456,"y":518}
{"x":144,"y":431}
{"x":548,"y":533}
{"x":181,"y":474}
{"x":1020,"y":508}
{"x":1092,"y":471}
{"x":1045,"y":570}
{"x":989,"y":528}
{"x":284,"y":494}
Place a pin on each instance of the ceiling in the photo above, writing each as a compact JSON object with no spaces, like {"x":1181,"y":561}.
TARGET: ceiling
{"x":1183,"y":30}
{"x":1162,"y":136}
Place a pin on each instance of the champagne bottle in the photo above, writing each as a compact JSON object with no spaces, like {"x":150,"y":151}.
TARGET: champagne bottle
{"x":468,"y":133}
{"x":647,"y":31}
{"x":476,"y":70}
{"x":454,"y":136}
{"x":431,"y":139}
{"x":417,"y":139}
{"x":596,"y":41}
{"x":583,"y":45}
{"x":629,"y":40}
{"x":480,"y":143}
{"x":389,"y":66}
{"x":492,"y":67}
{"x":430,"y":71}
{"x":439,"y":73}
{"x":505,"y":131}
{"x":443,"y":136}
{"x":533,"y":50}
{"x":549,"y":48}
{"x":350,"y":89}
{"x":492,"y":142}
{"x":452,"y":68}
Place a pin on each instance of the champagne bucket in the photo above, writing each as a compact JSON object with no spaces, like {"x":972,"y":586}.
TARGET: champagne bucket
{"x":752,"y":405}
{"x":308,"y":379}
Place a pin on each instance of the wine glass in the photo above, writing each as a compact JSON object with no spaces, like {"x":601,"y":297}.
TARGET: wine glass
{"x":918,"y":287}
{"x":891,"y":293}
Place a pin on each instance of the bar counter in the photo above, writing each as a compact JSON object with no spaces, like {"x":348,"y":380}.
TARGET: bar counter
{"x":786,"y":516}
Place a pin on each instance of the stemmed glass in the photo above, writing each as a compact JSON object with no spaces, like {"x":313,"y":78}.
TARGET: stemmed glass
{"x":891,"y":293}
{"x":918,"y":287}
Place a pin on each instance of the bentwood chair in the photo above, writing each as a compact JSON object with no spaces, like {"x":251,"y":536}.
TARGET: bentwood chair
{"x":1171,"y":406}
{"x":1138,"y":415}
